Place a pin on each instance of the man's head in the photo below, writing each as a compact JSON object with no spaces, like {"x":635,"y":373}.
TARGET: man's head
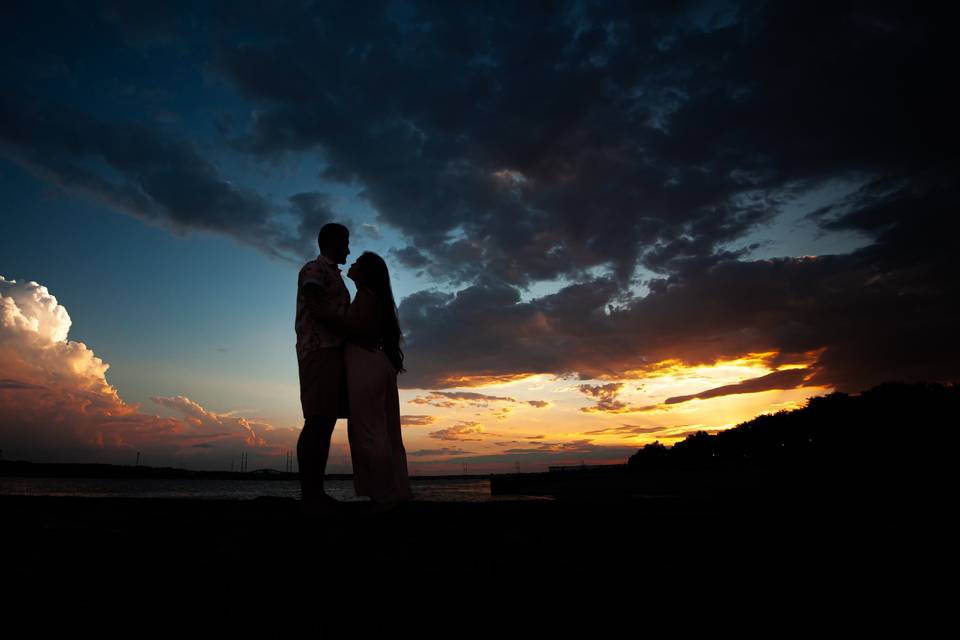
{"x":334,"y":241}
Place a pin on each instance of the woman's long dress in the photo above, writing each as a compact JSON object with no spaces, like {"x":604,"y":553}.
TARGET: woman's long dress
{"x":373,"y":429}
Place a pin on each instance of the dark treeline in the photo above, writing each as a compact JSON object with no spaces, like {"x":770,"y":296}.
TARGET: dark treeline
{"x":841,"y":451}
{"x":882,"y":429}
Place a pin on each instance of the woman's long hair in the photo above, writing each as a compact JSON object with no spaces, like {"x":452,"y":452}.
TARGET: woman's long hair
{"x":377,"y":277}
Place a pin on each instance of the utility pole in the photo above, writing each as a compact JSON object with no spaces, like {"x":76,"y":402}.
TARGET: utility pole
{"x":138,"y":459}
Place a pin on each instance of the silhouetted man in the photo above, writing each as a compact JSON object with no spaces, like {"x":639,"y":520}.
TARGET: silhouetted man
{"x":323,"y":381}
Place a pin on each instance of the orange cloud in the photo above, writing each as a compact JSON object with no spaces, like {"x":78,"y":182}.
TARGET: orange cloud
{"x":463,"y":431}
{"x":458,"y":380}
{"x":448,"y":399}
{"x":626,"y":431}
{"x":451,"y":399}
{"x":573,"y":446}
{"x":607,"y":400}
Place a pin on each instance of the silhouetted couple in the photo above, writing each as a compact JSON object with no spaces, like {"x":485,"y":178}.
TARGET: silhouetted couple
{"x":349,"y":357}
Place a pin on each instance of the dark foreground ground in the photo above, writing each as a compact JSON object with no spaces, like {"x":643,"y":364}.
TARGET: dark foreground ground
{"x":670,"y":546}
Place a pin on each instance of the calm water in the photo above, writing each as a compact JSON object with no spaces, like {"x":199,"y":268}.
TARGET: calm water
{"x":436,"y":490}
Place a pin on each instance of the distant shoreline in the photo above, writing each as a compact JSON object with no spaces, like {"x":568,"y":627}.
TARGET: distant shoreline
{"x":26,"y":469}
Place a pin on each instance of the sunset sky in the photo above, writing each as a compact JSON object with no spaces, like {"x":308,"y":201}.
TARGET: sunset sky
{"x":606,"y":224}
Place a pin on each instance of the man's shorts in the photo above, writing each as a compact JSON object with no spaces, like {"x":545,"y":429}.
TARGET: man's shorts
{"x":323,"y":384}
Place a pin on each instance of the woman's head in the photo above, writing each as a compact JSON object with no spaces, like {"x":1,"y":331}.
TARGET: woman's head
{"x":370,"y":272}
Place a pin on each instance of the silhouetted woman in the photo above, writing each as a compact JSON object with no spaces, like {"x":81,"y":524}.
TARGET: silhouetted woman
{"x":373,"y":358}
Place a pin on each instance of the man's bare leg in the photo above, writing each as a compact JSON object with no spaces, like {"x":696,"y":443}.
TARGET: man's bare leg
{"x":313,"y":449}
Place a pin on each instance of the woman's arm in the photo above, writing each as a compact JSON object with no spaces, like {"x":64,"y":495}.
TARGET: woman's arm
{"x":356,"y":320}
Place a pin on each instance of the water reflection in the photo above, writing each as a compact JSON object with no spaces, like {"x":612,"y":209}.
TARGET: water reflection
{"x":428,"y":490}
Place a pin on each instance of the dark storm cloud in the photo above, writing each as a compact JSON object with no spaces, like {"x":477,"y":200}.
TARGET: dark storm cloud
{"x":542,"y":140}
{"x":560,"y":136}
{"x":145,"y":25}
{"x":486,"y":330}
{"x":446,"y":451}
{"x":525,"y":142}
{"x":102,"y":101}
{"x":481,"y":125}
{"x":787,"y":379}
{"x":135,"y":169}
{"x":410,"y":257}
{"x":312,"y":210}
{"x":855,"y":319}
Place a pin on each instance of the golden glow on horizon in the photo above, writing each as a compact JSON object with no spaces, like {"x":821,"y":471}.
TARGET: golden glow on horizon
{"x":636,"y":414}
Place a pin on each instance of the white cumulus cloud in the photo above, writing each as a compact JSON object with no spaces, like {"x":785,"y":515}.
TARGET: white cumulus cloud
{"x":57,"y":405}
